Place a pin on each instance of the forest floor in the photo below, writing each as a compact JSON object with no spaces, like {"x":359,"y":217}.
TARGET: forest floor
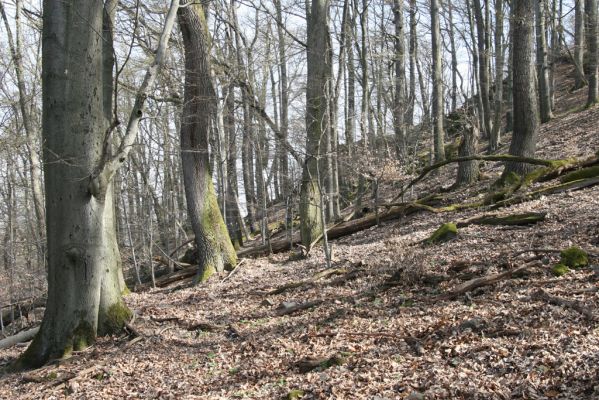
{"x":380,"y":328}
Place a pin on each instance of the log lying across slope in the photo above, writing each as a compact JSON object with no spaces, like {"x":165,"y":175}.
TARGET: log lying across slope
{"x":340,"y":230}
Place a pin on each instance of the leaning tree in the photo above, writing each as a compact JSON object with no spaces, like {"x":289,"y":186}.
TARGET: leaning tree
{"x":215,"y":250}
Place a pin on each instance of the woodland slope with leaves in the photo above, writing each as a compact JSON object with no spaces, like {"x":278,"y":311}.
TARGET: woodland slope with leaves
{"x":388,"y":319}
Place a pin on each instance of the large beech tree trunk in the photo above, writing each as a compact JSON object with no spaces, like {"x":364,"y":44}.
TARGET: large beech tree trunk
{"x":84,"y":279}
{"x":215,"y":250}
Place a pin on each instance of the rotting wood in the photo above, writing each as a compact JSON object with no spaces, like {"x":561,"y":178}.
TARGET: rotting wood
{"x":484,"y":281}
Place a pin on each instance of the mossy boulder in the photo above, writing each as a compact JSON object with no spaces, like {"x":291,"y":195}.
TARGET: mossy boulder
{"x":444,"y":233}
{"x":574,"y":257}
{"x":584,"y":173}
{"x":560,"y":269}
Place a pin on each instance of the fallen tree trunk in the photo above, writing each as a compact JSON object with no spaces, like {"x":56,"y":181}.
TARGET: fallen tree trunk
{"x":484,"y":281}
{"x":339,"y":230}
{"x":555,"y":189}
{"x":514,"y":219}
{"x":20,"y":337}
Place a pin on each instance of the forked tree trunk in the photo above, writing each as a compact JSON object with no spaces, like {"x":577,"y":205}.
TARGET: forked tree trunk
{"x":215,"y":250}
{"x":84,"y":280}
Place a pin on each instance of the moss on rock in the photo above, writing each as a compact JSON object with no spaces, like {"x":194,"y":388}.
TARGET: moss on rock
{"x":574,"y":257}
{"x":444,"y":233}
{"x":560,"y":269}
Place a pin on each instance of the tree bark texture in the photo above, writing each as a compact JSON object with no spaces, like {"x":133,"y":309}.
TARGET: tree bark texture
{"x":84,"y":285}
{"x":525,"y":106}
{"x":317,"y":119}
{"x":215,"y":250}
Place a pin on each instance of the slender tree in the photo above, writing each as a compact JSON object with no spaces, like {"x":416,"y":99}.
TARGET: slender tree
{"x":525,"y":105}
{"x":399,"y":99}
{"x":317,"y":119}
{"x":438,"y":109}
{"x":591,"y":16}
{"x":542,"y":63}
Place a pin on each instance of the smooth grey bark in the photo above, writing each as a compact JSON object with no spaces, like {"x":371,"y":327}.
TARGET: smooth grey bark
{"x":454,"y":58}
{"x":412,"y":65}
{"x":232,"y":214}
{"x":542,"y":63}
{"x":525,"y":105}
{"x":365,"y":101}
{"x":350,"y":115}
{"x":84,"y":286}
{"x":215,"y":250}
{"x":438,"y":109}
{"x":317,"y":119}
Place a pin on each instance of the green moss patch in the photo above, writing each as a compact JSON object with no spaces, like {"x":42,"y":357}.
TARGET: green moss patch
{"x":115,"y":318}
{"x":574,"y":257}
{"x":445,"y":232}
{"x":560,"y":269}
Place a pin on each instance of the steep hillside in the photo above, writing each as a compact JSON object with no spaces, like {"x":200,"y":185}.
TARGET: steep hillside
{"x":389,"y":321}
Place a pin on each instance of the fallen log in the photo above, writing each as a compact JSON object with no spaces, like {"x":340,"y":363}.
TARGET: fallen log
{"x":554,"y":189}
{"x":20,"y":337}
{"x":484,"y":281}
{"x":340,"y":230}
{"x":513,"y":219}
